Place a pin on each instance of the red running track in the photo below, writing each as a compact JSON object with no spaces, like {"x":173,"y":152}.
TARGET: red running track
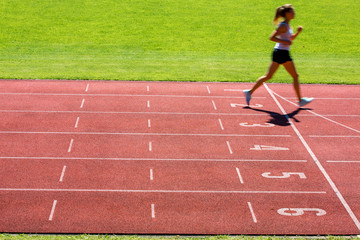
{"x":178,"y":158}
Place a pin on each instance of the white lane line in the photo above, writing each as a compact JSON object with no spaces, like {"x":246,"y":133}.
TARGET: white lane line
{"x":52,"y":210}
{"x":151,"y":174}
{"x":239,"y":175}
{"x":328,"y":98}
{"x":214,"y":104}
{"x":252,"y":212}
{"x":229,"y":147}
{"x":77,"y":122}
{"x":152,"y":210}
{"x":322,"y":116}
{"x":62,"y":174}
{"x":87,"y":87}
{"x":150,"y":146}
{"x":146,"y":134}
{"x":126,"y":95}
{"x":148,"y":88}
{"x":334,"y":136}
{"x":70,"y":146}
{"x":233,"y":90}
{"x":156,"y":191}
{"x":221,"y":124}
{"x":161,"y":159}
{"x":148,"y":104}
{"x":330,"y":161}
{"x":147,"y":113}
{"x":82,"y":103}
{"x":317,"y":162}
{"x":149,"y":123}
{"x":208,"y":89}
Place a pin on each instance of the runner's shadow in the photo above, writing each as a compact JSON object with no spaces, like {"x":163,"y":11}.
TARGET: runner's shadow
{"x":277,"y":118}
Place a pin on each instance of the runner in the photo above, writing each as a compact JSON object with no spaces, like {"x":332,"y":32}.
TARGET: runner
{"x":283,"y":37}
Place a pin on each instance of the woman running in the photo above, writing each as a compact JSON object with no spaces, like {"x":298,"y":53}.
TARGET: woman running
{"x":283,"y":37}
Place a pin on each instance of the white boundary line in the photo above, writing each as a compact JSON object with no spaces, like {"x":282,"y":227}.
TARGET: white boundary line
{"x":158,"y":159}
{"x":154,"y":113}
{"x":82,"y":103}
{"x":239,"y":175}
{"x":328,"y":98}
{"x":221,"y":124}
{"x":333,"y":161}
{"x":125,"y":95}
{"x":208,"y":89}
{"x":145,"y":134}
{"x":334,"y":136}
{"x":156,"y":191}
{"x":87,"y":87}
{"x":70,"y":146}
{"x":62,"y":174}
{"x":152,"y":210}
{"x":229,"y":147}
{"x":52,"y":210}
{"x":160,"y":113}
{"x":328,"y":119}
{"x":321,"y":168}
{"x":151,"y":174}
{"x":252,"y":212}
{"x":214,"y":104}
{"x":77,"y":122}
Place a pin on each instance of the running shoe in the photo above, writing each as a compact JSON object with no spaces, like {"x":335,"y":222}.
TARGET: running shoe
{"x":305,"y":101}
{"x":247,"y":96}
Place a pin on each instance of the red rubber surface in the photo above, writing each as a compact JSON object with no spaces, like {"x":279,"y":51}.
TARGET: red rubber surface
{"x":178,"y":158}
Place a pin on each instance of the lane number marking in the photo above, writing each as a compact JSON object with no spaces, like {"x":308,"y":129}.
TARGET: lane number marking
{"x":245,"y":105}
{"x":293,"y":212}
{"x":285,"y":175}
{"x":268,"y":148}
{"x":246,"y":124}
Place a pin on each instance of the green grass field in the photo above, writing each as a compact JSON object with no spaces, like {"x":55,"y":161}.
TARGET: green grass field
{"x":202,"y":40}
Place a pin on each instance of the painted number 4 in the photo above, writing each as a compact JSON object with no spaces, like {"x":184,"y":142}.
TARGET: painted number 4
{"x":300,"y":211}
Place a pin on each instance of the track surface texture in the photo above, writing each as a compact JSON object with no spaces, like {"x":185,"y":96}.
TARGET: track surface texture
{"x":178,"y":158}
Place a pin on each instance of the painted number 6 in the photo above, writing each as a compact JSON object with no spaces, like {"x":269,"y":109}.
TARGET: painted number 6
{"x":300,"y":211}
{"x":285,"y":175}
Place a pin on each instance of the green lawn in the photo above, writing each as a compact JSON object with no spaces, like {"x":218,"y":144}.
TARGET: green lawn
{"x":196,"y":40}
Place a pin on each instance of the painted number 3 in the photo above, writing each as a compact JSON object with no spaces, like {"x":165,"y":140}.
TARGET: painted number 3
{"x":300,"y":211}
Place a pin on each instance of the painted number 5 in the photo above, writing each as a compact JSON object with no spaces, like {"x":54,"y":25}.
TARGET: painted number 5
{"x":300,"y":211}
{"x":284,"y":175}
